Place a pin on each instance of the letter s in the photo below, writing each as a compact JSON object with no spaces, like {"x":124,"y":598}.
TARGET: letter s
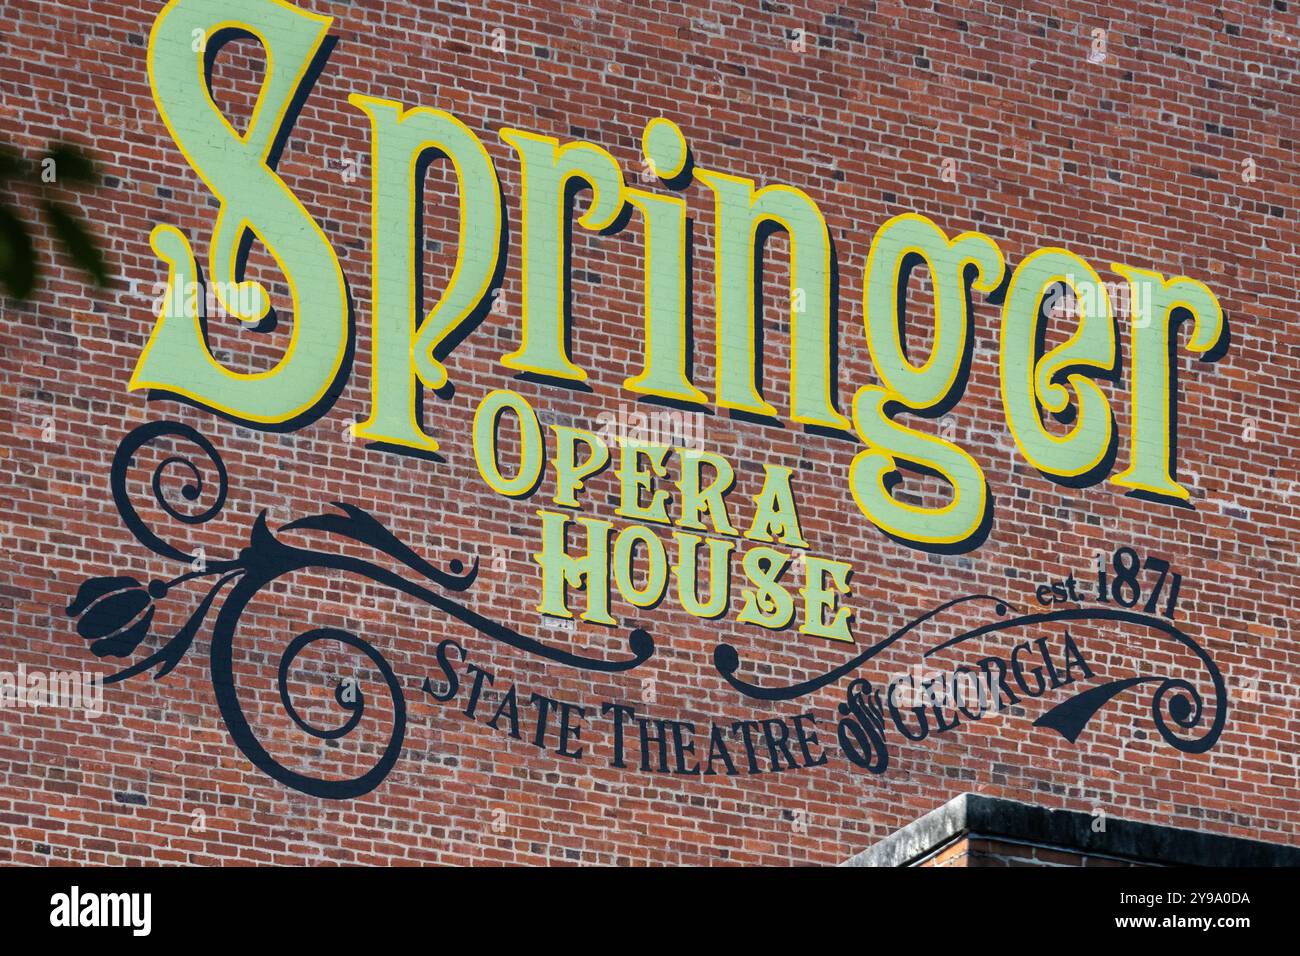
{"x":861,"y":729}
{"x":254,"y":203}
{"x":453,"y":679}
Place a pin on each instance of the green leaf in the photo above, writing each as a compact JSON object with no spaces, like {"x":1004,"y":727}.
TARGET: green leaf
{"x":81,"y":246}
{"x":72,"y":165}
{"x":17,"y":255}
{"x":12,"y":165}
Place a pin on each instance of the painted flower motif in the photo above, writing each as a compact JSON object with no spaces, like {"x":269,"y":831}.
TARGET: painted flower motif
{"x":115,"y":614}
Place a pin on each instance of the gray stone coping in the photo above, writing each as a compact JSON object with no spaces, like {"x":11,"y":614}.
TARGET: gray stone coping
{"x":971,"y":814}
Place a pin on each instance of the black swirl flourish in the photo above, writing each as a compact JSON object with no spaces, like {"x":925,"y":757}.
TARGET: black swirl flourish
{"x":223,"y":681}
{"x":116,"y":611}
{"x":1175,"y":697}
{"x":1185,"y":708}
{"x":269,"y":559}
{"x":356,"y":706}
{"x":1185,"y":705}
{"x":190,"y":492}
{"x":122,"y":462}
{"x":727,"y":661}
{"x":273,"y":552}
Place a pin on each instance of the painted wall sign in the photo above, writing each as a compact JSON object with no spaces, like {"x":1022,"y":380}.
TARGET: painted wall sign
{"x":678,"y":532}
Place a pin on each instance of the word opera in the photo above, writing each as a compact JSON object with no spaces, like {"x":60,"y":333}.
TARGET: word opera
{"x":1040,"y":386}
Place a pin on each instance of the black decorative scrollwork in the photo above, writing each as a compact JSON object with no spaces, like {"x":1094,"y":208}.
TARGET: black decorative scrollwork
{"x":116,"y":612}
{"x":1186,"y":707}
{"x":1174,"y":700}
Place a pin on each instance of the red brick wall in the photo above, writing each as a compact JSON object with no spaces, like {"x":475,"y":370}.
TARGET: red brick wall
{"x":1136,"y":159}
